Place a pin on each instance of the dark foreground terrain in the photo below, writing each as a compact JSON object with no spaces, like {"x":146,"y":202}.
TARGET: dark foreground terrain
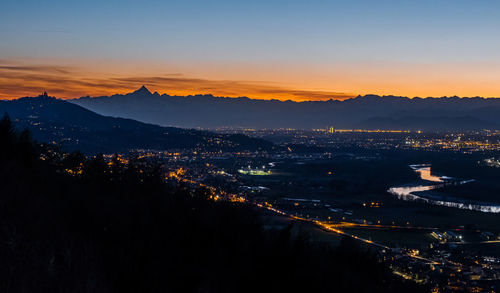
{"x":69,"y":223}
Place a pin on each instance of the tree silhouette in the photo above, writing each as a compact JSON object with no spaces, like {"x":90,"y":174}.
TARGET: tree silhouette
{"x":69,"y":223}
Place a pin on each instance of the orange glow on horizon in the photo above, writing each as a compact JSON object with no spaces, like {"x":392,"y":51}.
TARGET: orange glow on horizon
{"x":299,"y":82}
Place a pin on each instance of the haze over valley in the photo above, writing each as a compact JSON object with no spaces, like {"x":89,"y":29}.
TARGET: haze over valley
{"x":365,"y":112}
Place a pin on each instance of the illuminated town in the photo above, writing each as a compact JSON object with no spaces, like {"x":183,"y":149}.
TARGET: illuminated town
{"x":471,"y":141}
{"x":260,"y":146}
{"x":424,"y":249}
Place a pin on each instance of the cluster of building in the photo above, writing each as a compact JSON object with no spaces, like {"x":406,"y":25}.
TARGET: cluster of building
{"x":443,"y":265}
{"x":330,"y":137}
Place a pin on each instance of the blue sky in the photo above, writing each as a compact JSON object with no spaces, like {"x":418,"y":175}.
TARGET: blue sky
{"x":308,"y":33}
{"x":301,"y":31}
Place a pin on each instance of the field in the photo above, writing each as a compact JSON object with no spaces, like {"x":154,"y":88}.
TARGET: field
{"x":352,"y":187}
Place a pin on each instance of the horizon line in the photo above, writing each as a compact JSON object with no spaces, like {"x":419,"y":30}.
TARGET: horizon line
{"x":45,"y":93}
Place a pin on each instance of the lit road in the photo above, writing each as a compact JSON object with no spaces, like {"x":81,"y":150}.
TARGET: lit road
{"x":378,"y":226}
{"x":332,"y":228}
{"x":327,"y":226}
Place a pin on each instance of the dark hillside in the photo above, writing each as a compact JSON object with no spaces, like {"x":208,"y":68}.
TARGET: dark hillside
{"x":74,"y":224}
{"x":53,"y":120}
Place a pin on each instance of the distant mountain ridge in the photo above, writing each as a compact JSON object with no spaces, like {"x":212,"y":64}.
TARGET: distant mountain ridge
{"x":77,"y":128}
{"x":369,"y":111}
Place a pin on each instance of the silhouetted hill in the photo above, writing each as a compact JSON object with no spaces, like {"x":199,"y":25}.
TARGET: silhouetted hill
{"x":370,"y":111}
{"x":69,"y":223}
{"x":57,"y":121}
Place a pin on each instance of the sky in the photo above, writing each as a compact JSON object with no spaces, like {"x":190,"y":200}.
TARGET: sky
{"x":299,"y":50}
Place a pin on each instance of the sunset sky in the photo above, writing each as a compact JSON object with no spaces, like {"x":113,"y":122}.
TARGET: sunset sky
{"x":299,"y":50}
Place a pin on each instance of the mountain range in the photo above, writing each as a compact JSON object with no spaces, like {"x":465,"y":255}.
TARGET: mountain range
{"x":76,"y":128}
{"x":368,"y":112}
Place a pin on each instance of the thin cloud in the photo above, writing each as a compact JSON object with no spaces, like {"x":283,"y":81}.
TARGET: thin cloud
{"x":64,"y":82}
{"x":232,"y":88}
{"x":33,"y":68}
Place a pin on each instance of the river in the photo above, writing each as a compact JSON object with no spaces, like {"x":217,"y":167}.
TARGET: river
{"x":408,"y":193}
